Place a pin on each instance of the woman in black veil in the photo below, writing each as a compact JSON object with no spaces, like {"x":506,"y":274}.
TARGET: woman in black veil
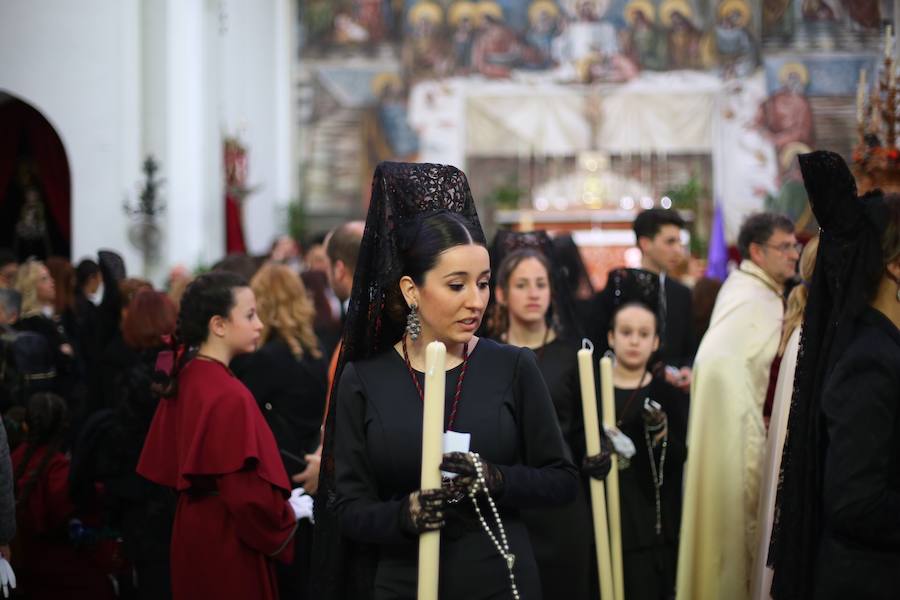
{"x":837,"y":522}
{"x":532,"y":308}
{"x":422,"y":222}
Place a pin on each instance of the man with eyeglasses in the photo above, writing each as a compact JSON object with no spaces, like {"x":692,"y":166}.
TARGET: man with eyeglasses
{"x":726,"y":434}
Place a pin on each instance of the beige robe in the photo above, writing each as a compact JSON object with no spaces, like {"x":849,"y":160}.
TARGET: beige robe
{"x":781,"y":409}
{"x":726,"y":438}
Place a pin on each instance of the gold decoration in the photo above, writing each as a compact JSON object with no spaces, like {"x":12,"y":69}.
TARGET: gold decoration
{"x":670,"y":7}
{"x":461,"y":10}
{"x":876,"y":158}
{"x":790,"y":152}
{"x":636,"y":6}
{"x":488,"y":9}
{"x":740,"y":6}
{"x":426,"y":11}
{"x":539,"y":7}
{"x":793,"y":68}
{"x":382,"y":81}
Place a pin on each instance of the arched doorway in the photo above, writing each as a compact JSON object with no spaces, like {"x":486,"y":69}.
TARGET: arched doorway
{"x":35,"y":185}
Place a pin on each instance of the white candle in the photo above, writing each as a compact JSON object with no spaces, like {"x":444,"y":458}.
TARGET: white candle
{"x":432,"y":452}
{"x":598,"y":495}
{"x":888,"y":42}
{"x":612,"y":481}
{"x":861,"y":96}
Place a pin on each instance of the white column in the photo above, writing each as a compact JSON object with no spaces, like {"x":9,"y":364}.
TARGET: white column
{"x":287,"y":177}
{"x":193,"y":219}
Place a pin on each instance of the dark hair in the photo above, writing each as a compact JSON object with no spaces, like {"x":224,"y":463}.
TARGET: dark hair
{"x":569,"y":258}
{"x":63,"y":274}
{"x":7,"y":257}
{"x":420,"y":244}
{"x":48,"y":420}
{"x":314,"y":239}
{"x":242,"y":265}
{"x":498,"y":323}
{"x":84,"y":271}
{"x":10,"y":301}
{"x":344,"y":242}
{"x":648,"y":223}
{"x":759,"y":227}
{"x":634,"y":304}
{"x":151,"y":315}
{"x":207,"y":296}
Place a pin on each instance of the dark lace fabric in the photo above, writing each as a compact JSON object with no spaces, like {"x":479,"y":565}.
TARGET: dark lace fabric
{"x":848,"y":263}
{"x":562,"y":309}
{"x":403,"y":195}
{"x":632,"y":285}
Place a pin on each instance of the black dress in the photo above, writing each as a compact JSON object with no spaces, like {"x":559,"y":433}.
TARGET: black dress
{"x":291,"y":395}
{"x":507,"y":409}
{"x":562,"y":537}
{"x":112,"y":440}
{"x":650,"y":558}
{"x":859,"y":552}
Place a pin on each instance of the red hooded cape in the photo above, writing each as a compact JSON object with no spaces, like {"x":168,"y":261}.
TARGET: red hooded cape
{"x":212,"y":442}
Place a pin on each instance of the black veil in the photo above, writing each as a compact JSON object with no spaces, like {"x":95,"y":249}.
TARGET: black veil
{"x":848,"y":263}
{"x":403,"y":194}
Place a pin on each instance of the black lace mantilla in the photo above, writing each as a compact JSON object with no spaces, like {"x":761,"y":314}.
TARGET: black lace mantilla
{"x":403,"y":196}
{"x":848,"y":262}
{"x":626,"y":286}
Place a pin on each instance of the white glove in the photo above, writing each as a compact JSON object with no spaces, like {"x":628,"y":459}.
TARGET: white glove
{"x":302,"y":503}
{"x":7,"y":577}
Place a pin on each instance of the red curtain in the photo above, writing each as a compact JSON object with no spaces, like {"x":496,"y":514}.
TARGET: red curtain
{"x":20,"y":122}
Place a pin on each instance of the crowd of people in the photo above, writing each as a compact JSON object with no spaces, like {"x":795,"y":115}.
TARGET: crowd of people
{"x":255,"y":431}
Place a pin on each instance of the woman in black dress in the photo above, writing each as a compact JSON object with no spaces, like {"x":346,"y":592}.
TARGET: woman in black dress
{"x":653,"y":414}
{"x":423,"y":263}
{"x":287,"y":378}
{"x":841,"y":463}
{"x":530,"y":312}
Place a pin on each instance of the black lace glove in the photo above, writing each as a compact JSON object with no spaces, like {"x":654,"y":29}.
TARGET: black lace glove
{"x":598,"y":465}
{"x":463,"y":464}
{"x":423,"y":510}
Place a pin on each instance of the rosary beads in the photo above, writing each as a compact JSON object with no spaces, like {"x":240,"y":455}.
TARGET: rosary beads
{"x":502,"y":544}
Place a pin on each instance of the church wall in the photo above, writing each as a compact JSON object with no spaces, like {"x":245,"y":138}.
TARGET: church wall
{"x":123,"y":79}
{"x":77,"y":64}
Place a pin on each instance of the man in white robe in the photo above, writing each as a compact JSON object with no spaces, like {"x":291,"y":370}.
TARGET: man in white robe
{"x":726,"y":432}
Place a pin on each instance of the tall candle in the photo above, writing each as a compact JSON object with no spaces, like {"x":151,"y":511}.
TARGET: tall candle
{"x":612,"y":481}
{"x":888,"y":42}
{"x":861,"y":96}
{"x":432,"y":452}
{"x":598,"y":494}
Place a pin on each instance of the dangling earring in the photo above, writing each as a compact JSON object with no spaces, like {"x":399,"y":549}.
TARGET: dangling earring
{"x":413,"y":325}
{"x":898,"y":293}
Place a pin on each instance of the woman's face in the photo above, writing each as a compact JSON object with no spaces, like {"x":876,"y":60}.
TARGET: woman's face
{"x":633,"y":337}
{"x":45,"y":287}
{"x":242,"y":329}
{"x":453,"y":295}
{"x":527,"y":294}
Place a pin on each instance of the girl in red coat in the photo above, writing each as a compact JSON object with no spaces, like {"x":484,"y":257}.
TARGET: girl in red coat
{"x":209,"y":441}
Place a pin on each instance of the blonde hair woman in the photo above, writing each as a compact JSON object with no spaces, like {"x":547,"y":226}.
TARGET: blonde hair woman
{"x":781,"y":407}
{"x":37,"y":287}
{"x":285,"y":309}
{"x":287,"y":375}
{"x":38,"y":291}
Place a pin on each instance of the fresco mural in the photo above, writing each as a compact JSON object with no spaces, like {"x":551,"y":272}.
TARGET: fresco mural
{"x":748,"y":85}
